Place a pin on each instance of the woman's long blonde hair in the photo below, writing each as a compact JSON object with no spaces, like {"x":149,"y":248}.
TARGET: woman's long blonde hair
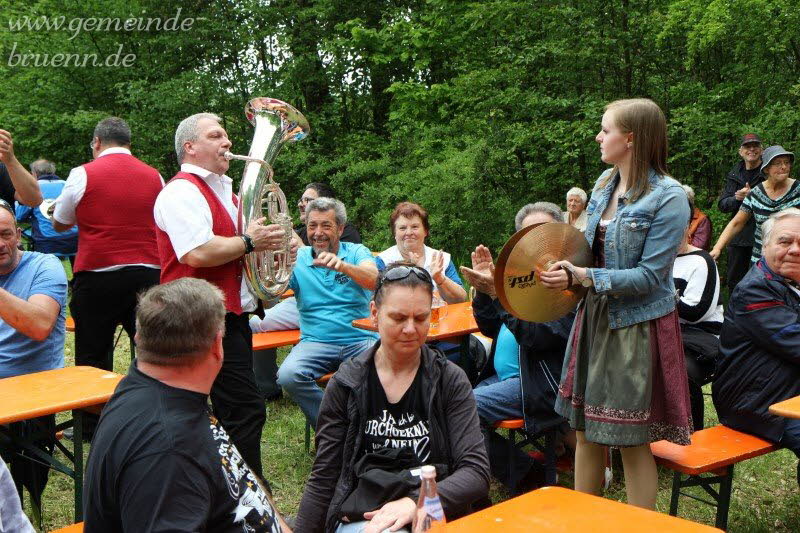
{"x":643,"y":118}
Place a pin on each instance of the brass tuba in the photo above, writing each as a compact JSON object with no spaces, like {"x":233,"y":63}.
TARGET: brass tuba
{"x":276,"y":123}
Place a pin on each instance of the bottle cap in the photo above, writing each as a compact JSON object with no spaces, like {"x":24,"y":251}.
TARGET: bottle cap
{"x":428,"y":471}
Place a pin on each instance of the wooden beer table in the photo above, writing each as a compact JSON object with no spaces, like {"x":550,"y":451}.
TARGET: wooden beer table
{"x":560,"y":509}
{"x":74,"y":388}
{"x":456,"y":326}
{"x":789,"y":408}
{"x":458,"y":323}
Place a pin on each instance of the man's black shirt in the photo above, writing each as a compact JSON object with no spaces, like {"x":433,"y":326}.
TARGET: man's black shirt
{"x":160,"y":461}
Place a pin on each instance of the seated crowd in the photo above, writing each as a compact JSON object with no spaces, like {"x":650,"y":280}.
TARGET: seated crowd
{"x":395,"y":401}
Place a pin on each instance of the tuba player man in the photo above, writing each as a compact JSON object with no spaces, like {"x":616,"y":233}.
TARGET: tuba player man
{"x":196,"y":215}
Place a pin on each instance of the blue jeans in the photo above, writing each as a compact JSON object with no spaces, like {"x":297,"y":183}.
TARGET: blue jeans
{"x":501,"y":400}
{"x":498,"y":400}
{"x":358,"y":527}
{"x":307,"y":362}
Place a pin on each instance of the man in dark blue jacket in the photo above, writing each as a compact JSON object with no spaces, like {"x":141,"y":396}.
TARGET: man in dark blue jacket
{"x":742,"y":177}
{"x":520,"y":378}
{"x":759,"y":361}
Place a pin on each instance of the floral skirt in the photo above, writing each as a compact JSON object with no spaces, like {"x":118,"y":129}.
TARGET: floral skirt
{"x":626,"y":386}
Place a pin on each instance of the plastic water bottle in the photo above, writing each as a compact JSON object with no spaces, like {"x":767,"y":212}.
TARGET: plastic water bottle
{"x":430,"y":515}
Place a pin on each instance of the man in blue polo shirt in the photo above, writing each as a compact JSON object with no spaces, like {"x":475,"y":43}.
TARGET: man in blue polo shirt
{"x":333,"y":282}
{"x":33,"y":294}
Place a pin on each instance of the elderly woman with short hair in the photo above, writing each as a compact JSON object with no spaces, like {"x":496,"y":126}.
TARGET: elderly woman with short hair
{"x":779,"y":191}
{"x":575,"y":215}
{"x":409,"y":225}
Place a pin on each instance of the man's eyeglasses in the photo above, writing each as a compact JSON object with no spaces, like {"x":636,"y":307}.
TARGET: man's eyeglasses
{"x":8,"y":207}
{"x":402,"y":272}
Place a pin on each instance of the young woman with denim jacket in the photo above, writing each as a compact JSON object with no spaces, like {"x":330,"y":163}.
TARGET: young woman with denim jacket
{"x":624,"y":377}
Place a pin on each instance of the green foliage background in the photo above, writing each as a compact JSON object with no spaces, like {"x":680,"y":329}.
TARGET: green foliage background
{"x":470,"y":108}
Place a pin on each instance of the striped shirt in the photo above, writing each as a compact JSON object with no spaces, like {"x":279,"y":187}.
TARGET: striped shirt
{"x":761,"y":206}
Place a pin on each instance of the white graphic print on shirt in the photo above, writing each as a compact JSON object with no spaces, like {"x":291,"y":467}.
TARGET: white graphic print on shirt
{"x":253,"y":511}
{"x":407,"y":431}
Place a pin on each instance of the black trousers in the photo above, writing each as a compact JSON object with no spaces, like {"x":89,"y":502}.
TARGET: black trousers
{"x":738,"y":264}
{"x":499,"y":461}
{"x":100,"y":302}
{"x":700,"y":349}
{"x":234,"y":395}
{"x":265,"y":367}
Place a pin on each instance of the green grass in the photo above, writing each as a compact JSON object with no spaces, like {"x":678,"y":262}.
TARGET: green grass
{"x":765,"y":494}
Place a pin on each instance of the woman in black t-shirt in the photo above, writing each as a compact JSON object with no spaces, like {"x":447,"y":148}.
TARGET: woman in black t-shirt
{"x":400,"y":394}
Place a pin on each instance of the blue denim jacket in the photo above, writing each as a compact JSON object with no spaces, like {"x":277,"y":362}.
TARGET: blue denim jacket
{"x":640,"y":248}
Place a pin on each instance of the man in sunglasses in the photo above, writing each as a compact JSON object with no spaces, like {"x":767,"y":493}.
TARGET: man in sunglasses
{"x":16,"y":183}
{"x":742,"y":178}
{"x":333,"y":282}
{"x":33,"y":294}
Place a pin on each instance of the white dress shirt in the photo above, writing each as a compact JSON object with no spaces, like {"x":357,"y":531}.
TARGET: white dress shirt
{"x":72,"y":194}
{"x":182,"y":212}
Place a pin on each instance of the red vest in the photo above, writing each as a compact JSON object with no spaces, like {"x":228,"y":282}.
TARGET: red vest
{"x":227,"y":277}
{"x":115,"y":214}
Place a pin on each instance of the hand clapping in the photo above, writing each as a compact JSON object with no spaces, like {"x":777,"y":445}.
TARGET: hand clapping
{"x":437,"y":267}
{"x":481,"y":275}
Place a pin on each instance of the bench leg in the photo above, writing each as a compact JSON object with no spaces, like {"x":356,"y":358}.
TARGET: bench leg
{"x":725,"y":486}
{"x":512,"y":444}
{"x":77,"y":436}
{"x":550,"y":474}
{"x":676,"y":492}
{"x":308,"y":437}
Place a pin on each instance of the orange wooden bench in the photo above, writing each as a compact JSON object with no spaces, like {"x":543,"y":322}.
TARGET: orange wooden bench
{"x":74,"y":528}
{"x":516,"y":427}
{"x":321,"y":382}
{"x":275,"y":339}
{"x":714,"y":451}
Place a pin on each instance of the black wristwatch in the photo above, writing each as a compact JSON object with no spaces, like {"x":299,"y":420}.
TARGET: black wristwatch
{"x":248,"y":243}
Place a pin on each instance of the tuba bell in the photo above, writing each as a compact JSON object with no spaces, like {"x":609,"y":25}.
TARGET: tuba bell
{"x":276,"y":123}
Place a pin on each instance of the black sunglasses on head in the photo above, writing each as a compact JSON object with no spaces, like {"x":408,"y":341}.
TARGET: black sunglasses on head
{"x":402,"y":272}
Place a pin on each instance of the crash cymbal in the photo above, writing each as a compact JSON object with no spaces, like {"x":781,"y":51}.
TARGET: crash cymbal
{"x":530,"y":251}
